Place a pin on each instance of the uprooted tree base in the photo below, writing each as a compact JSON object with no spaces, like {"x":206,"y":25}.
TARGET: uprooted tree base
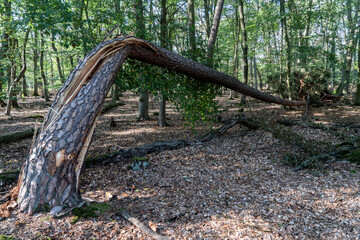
{"x":50,"y":175}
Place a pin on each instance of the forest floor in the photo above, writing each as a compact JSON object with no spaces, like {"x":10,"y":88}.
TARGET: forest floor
{"x":234,"y":187}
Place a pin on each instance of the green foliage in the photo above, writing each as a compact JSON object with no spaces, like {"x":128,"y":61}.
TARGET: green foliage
{"x":354,"y":156}
{"x":195,"y":101}
{"x":292,"y":159}
{"x":4,"y":237}
{"x":43,"y":208}
{"x":89,"y":211}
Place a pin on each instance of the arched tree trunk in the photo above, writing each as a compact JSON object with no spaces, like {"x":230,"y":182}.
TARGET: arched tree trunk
{"x":50,"y":175}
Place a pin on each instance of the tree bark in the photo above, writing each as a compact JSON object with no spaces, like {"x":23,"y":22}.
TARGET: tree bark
{"x":36,"y":56}
{"x":62,"y":79}
{"x":143,"y":108}
{"x":244,"y":46}
{"x":213,"y":33}
{"x":357,"y":94}
{"x":42,"y":71}
{"x":51,"y":172}
{"x":17,"y":79}
{"x":207,"y":19}
{"x":287,"y":48}
{"x":233,"y":94}
{"x":24,"y":86}
{"x":191,"y":27}
{"x":163,"y":43}
{"x":351,"y":43}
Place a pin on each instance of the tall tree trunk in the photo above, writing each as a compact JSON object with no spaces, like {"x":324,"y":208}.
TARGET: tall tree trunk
{"x":350,"y":45}
{"x":207,"y":19}
{"x":287,"y":48}
{"x":42,"y":71}
{"x":235,"y":70}
{"x":4,"y":69}
{"x":191,"y":27}
{"x":213,"y":33}
{"x":16,"y":79}
{"x":255,"y":72}
{"x":357,"y":94}
{"x":24,"y":86}
{"x":143,"y":108}
{"x":244,"y":46}
{"x":62,"y":79}
{"x":305,"y":38}
{"x":50,"y":176}
{"x":36,"y":56}
{"x":163,"y":43}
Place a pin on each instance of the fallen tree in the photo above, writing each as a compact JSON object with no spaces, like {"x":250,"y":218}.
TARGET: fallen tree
{"x":12,"y":137}
{"x":50,"y":175}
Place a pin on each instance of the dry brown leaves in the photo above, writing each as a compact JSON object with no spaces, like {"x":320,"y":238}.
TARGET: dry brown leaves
{"x":232,"y":188}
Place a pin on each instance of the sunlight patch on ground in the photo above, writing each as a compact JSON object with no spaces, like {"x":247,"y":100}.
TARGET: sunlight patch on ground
{"x":134,"y":131}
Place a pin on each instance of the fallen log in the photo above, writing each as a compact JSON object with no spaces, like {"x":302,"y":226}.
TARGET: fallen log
{"x":143,"y":227}
{"x":123,"y":154}
{"x":12,"y":137}
{"x":110,"y":106}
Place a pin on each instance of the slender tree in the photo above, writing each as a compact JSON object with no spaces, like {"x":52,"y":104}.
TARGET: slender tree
{"x":244,"y":46}
{"x":163,"y":43}
{"x":62,"y":79}
{"x":16,"y":79}
{"x":42,"y":70}
{"x":36,"y":57}
{"x":143,"y":109}
{"x":357,"y":94}
{"x":214,"y":32}
{"x":287,"y":47}
{"x":207,"y":19}
{"x":350,"y":45}
{"x":191,"y":27}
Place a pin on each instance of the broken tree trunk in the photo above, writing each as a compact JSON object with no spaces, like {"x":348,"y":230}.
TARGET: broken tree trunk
{"x":50,"y":176}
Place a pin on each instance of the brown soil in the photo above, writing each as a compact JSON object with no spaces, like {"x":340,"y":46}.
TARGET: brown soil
{"x":235,"y":187}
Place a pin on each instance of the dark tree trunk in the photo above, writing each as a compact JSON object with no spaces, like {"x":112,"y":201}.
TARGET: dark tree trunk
{"x":235,"y":70}
{"x":57,"y":58}
{"x":207,"y":18}
{"x":163,"y":43}
{"x":287,"y":48}
{"x":143,"y":108}
{"x":244,"y":46}
{"x":24,"y":86}
{"x":191,"y":27}
{"x":51,"y":172}
{"x":213,"y":33}
{"x":350,"y":45}
{"x":42,"y":71}
{"x":36,"y":56}
{"x":357,"y":94}
{"x":16,"y":80}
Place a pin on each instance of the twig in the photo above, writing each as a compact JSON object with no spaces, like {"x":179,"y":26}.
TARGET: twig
{"x":111,"y":31}
{"x":142,"y":226}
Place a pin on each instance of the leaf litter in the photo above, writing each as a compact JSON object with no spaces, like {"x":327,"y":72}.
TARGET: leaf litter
{"x":235,"y":187}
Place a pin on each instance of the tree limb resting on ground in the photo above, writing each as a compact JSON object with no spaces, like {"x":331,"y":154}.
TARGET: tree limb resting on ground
{"x":142,"y":226}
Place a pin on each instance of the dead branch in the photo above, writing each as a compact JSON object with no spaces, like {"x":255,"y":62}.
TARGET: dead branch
{"x":142,"y":226}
